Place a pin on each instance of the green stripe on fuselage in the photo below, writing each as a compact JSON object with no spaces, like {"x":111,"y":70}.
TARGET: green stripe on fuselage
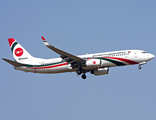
{"x":113,"y":61}
{"x":44,"y":65}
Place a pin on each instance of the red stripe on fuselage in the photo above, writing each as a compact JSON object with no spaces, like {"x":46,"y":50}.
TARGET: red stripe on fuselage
{"x":124,"y":60}
{"x":52,"y":66}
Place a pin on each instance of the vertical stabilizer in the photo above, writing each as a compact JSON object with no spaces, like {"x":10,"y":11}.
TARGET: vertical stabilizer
{"x":19,"y":53}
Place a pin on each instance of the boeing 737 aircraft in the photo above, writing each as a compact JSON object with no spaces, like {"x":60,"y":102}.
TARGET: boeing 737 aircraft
{"x":97,"y":64}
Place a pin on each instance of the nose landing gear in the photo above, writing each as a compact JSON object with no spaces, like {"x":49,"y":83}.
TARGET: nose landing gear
{"x":140,"y":67}
{"x":142,"y":63}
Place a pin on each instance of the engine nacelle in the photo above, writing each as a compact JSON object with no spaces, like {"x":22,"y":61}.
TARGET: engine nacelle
{"x":100,"y":71}
{"x":93,"y":63}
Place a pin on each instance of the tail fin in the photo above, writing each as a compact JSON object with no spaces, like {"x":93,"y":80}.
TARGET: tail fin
{"x":19,"y":53}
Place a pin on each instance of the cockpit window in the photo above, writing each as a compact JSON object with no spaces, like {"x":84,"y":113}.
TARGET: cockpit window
{"x":144,"y":52}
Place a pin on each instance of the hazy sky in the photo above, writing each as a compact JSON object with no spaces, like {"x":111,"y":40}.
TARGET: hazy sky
{"x":78,"y":27}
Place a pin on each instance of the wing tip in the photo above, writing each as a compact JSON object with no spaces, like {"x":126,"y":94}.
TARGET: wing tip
{"x":45,"y":41}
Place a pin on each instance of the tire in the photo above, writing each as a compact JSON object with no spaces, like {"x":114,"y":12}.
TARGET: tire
{"x":83,"y":76}
{"x":79,"y":72}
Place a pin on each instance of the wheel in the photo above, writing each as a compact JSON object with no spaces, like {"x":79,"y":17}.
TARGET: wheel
{"x":79,"y":72}
{"x":139,"y":67}
{"x":83,"y":76}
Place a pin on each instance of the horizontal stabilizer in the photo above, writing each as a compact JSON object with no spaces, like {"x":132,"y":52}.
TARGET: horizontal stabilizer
{"x":12,"y":62}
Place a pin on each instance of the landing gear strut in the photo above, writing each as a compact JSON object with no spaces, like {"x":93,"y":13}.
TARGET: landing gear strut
{"x":79,"y":71}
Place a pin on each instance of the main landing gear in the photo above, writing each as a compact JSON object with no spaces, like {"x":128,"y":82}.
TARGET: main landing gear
{"x":80,"y":71}
{"x":83,"y":76}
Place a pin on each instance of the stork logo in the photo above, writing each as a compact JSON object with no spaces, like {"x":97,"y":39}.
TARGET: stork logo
{"x":94,"y":62}
{"x":19,"y":52}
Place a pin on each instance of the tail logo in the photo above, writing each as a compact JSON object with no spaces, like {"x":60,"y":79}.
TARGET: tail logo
{"x":19,"y":52}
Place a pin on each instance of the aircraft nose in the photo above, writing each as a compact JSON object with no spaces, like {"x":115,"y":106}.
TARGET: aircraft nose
{"x":151,"y":56}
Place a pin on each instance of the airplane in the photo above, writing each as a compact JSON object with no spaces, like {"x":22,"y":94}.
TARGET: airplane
{"x":97,"y":64}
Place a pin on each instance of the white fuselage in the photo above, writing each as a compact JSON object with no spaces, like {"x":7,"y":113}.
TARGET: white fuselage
{"x":107,"y":59}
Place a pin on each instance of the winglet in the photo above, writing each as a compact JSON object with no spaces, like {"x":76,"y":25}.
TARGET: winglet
{"x":45,"y":41}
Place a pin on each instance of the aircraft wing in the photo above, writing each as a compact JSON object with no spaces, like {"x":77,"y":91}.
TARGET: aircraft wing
{"x":64,"y":55}
{"x":12,"y":62}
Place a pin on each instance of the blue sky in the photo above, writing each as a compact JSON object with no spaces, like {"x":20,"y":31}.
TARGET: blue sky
{"x":78,"y":27}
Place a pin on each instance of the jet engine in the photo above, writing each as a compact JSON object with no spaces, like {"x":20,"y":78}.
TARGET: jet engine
{"x":100,"y":71}
{"x":93,"y":63}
